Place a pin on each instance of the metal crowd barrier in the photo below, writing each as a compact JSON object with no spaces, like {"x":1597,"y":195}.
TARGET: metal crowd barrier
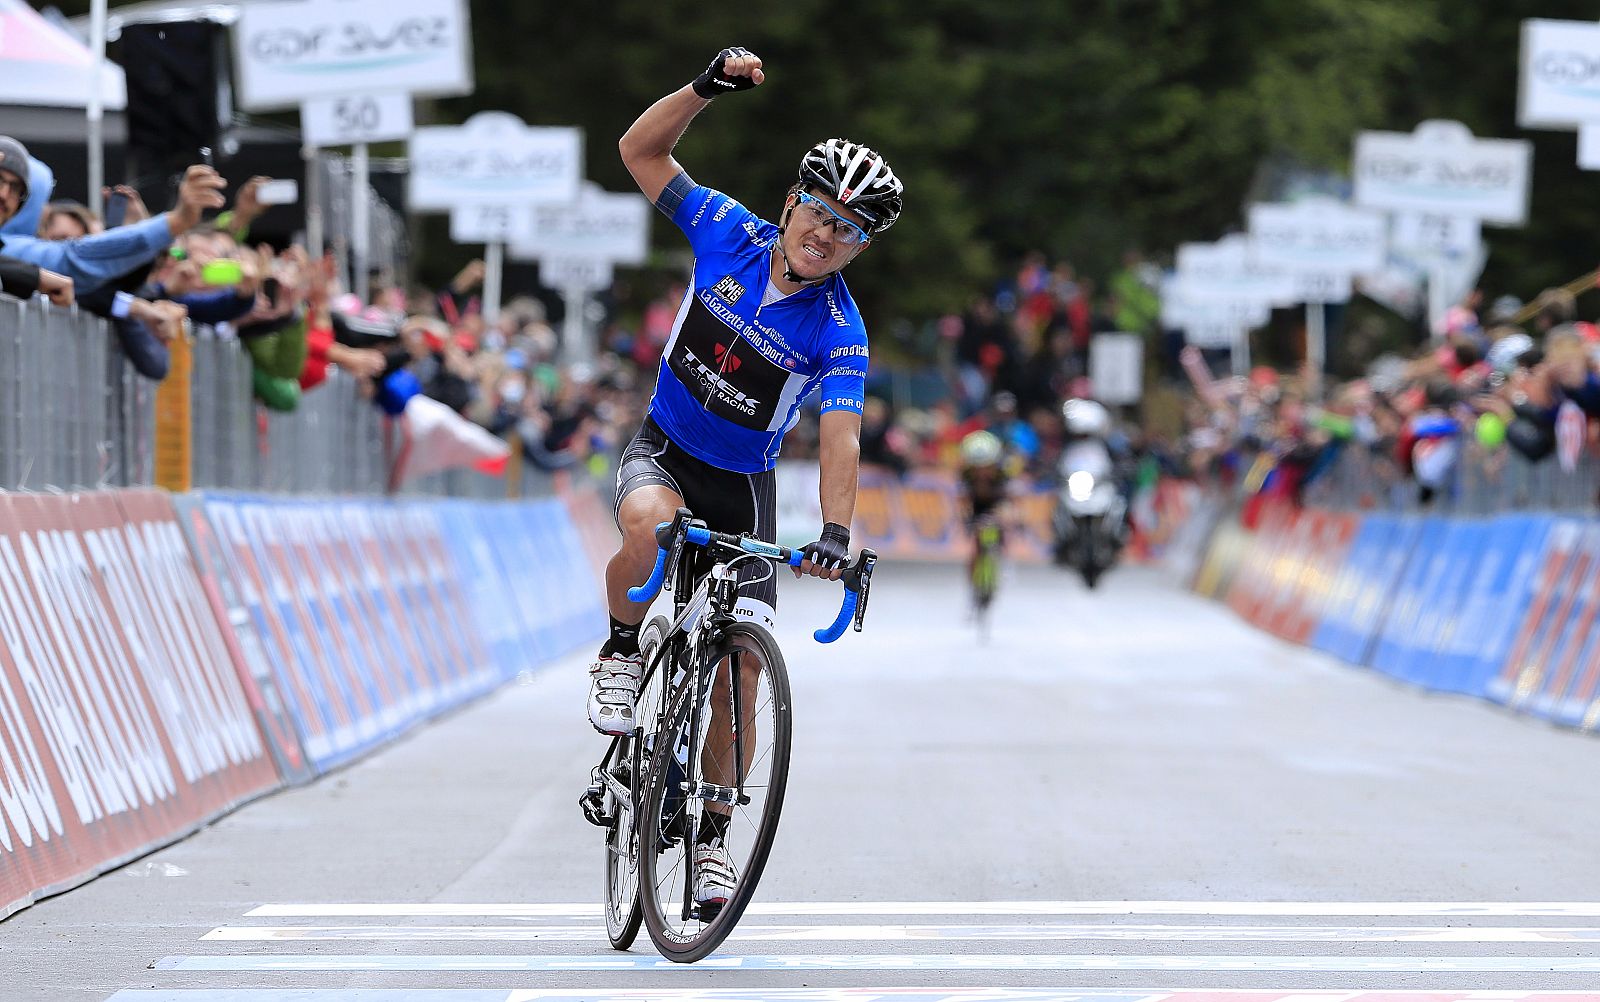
{"x":1483,"y":483}
{"x":74,"y":415}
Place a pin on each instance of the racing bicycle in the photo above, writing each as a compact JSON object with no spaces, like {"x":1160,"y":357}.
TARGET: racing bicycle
{"x":713,"y":734}
{"x":985,"y":576}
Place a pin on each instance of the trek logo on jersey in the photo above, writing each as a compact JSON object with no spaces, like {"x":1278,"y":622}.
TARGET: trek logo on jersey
{"x":711,"y":379}
{"x":726,"y":362}
{"x":728,"y":289}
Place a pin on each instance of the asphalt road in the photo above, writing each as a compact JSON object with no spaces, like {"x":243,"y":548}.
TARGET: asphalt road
{"x":1123,"y":792}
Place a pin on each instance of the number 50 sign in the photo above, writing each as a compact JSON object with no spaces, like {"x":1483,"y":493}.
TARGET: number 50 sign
{"x":344,"y":121}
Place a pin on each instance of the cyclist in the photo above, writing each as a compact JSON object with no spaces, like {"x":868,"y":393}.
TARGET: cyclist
{"x":766,"y":320}
{"x":985,"y":485}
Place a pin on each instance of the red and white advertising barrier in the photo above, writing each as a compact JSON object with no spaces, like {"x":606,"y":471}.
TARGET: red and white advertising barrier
{"x":124,"y":722}
{"x":163,"y":660}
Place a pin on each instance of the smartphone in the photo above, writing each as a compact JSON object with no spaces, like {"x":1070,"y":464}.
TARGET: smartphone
{"x":284,"y":191}
{"x":221,"y":272}
{"x":116,"y":209}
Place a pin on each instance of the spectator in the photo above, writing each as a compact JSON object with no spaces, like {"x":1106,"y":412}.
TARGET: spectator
{"x":98,"y":259}
{"x":18,"y":277}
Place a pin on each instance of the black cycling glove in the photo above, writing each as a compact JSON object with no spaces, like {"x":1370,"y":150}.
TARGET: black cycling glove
{"x":832,"y":550}
{"x":713,"y":81}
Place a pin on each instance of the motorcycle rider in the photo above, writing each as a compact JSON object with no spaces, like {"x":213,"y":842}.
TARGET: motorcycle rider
{"x":1088,"y":450}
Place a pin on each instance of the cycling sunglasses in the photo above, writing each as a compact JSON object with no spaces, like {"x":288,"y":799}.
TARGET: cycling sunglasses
{"x":819,"y":213}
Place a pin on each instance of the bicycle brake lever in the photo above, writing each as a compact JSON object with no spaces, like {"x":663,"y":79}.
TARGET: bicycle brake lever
{"x":866,"y":562}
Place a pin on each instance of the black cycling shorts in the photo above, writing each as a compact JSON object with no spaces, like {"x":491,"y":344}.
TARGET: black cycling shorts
{"x":726,"y":501}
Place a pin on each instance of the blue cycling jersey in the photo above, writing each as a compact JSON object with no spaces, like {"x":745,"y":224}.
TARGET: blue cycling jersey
{"x":734,"y":372}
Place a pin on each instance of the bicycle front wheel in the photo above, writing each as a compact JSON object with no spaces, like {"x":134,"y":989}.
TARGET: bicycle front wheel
{"x":726,"y":755}
{"x":623,"y":913}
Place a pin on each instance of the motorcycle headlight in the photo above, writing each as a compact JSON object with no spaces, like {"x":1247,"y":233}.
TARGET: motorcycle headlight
{"x":1080,"y":485}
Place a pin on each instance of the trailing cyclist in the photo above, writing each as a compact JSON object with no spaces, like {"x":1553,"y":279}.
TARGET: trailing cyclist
{"x":766,"y":320}
{"x":985,"y":490}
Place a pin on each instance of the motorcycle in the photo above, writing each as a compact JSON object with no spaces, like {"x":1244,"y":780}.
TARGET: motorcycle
{"x":1090,"y":518}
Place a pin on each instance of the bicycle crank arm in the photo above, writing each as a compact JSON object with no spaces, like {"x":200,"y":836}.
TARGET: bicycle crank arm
{"x":717,"y":794}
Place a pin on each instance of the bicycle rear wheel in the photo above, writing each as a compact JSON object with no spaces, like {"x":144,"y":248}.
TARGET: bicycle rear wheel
{"x":623,"y":913}
{"x":696,"y":762}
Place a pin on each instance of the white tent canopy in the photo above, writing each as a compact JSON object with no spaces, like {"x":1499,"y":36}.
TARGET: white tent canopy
{"x":43,"y":65}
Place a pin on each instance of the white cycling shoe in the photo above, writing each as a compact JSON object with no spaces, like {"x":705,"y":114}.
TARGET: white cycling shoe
{"x":714,"y":879}
{"x":613,"y":691}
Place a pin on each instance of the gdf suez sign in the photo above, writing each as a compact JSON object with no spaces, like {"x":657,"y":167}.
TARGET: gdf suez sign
{"x":1442,"y":168}
{"x":1560,"y":85}
{"x":291,"y":52}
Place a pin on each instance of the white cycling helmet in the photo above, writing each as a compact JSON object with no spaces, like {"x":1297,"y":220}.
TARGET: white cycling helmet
{"x":1504,"y":353}
{"x":981,"y":448}
{"x":1085,"y":417}
{"x":859,"y":177}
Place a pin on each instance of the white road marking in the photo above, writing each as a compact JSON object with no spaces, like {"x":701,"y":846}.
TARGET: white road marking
{"x":1406,"y":909}
{"x":823,"y":995}
{"x":880,"y":933}
{"x":883,"y":962}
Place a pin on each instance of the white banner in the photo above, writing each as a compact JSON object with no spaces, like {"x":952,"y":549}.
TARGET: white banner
{"x":358,"y":118}
{"x":1225,"y":271}
{"x":482,"y":224}
{"x":1441,"y":168}
{"x":1429,"y":236}
{"x":1211,"y":335}
{"x":1116,"y":367}
{"x":586,"y":274}
{"x":799,"y":509}
{"x":1560,"y":82}
{"x":600,"y":225}
{"x":494,"y":159}
{"x":1589,"y":147}
{"x":288,"y":53}
{"x":1318,"y":235}
{"x":1323,"y":286}
{"x":1181,"y":308}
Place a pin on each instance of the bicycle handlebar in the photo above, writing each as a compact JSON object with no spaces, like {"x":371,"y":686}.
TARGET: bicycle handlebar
{"x":648,"y":591}
{"x":846,"y":612}
{"x":857,"y":577}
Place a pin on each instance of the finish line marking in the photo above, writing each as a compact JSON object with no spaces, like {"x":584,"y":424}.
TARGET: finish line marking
{"x":880,"y":933}
{"x":834,"y":994}
{"x":829,"y":995}
{"x":1312,"y":909}
{"x":888,"y":962}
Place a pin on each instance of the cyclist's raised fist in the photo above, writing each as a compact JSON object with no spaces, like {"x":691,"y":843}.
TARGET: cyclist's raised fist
{"x":735,"y":68}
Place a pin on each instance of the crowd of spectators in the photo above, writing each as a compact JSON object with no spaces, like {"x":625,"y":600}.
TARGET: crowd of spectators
{"x":1493,"y":382}
{"x":153,"y":274}
{"x":1006,"y":363}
